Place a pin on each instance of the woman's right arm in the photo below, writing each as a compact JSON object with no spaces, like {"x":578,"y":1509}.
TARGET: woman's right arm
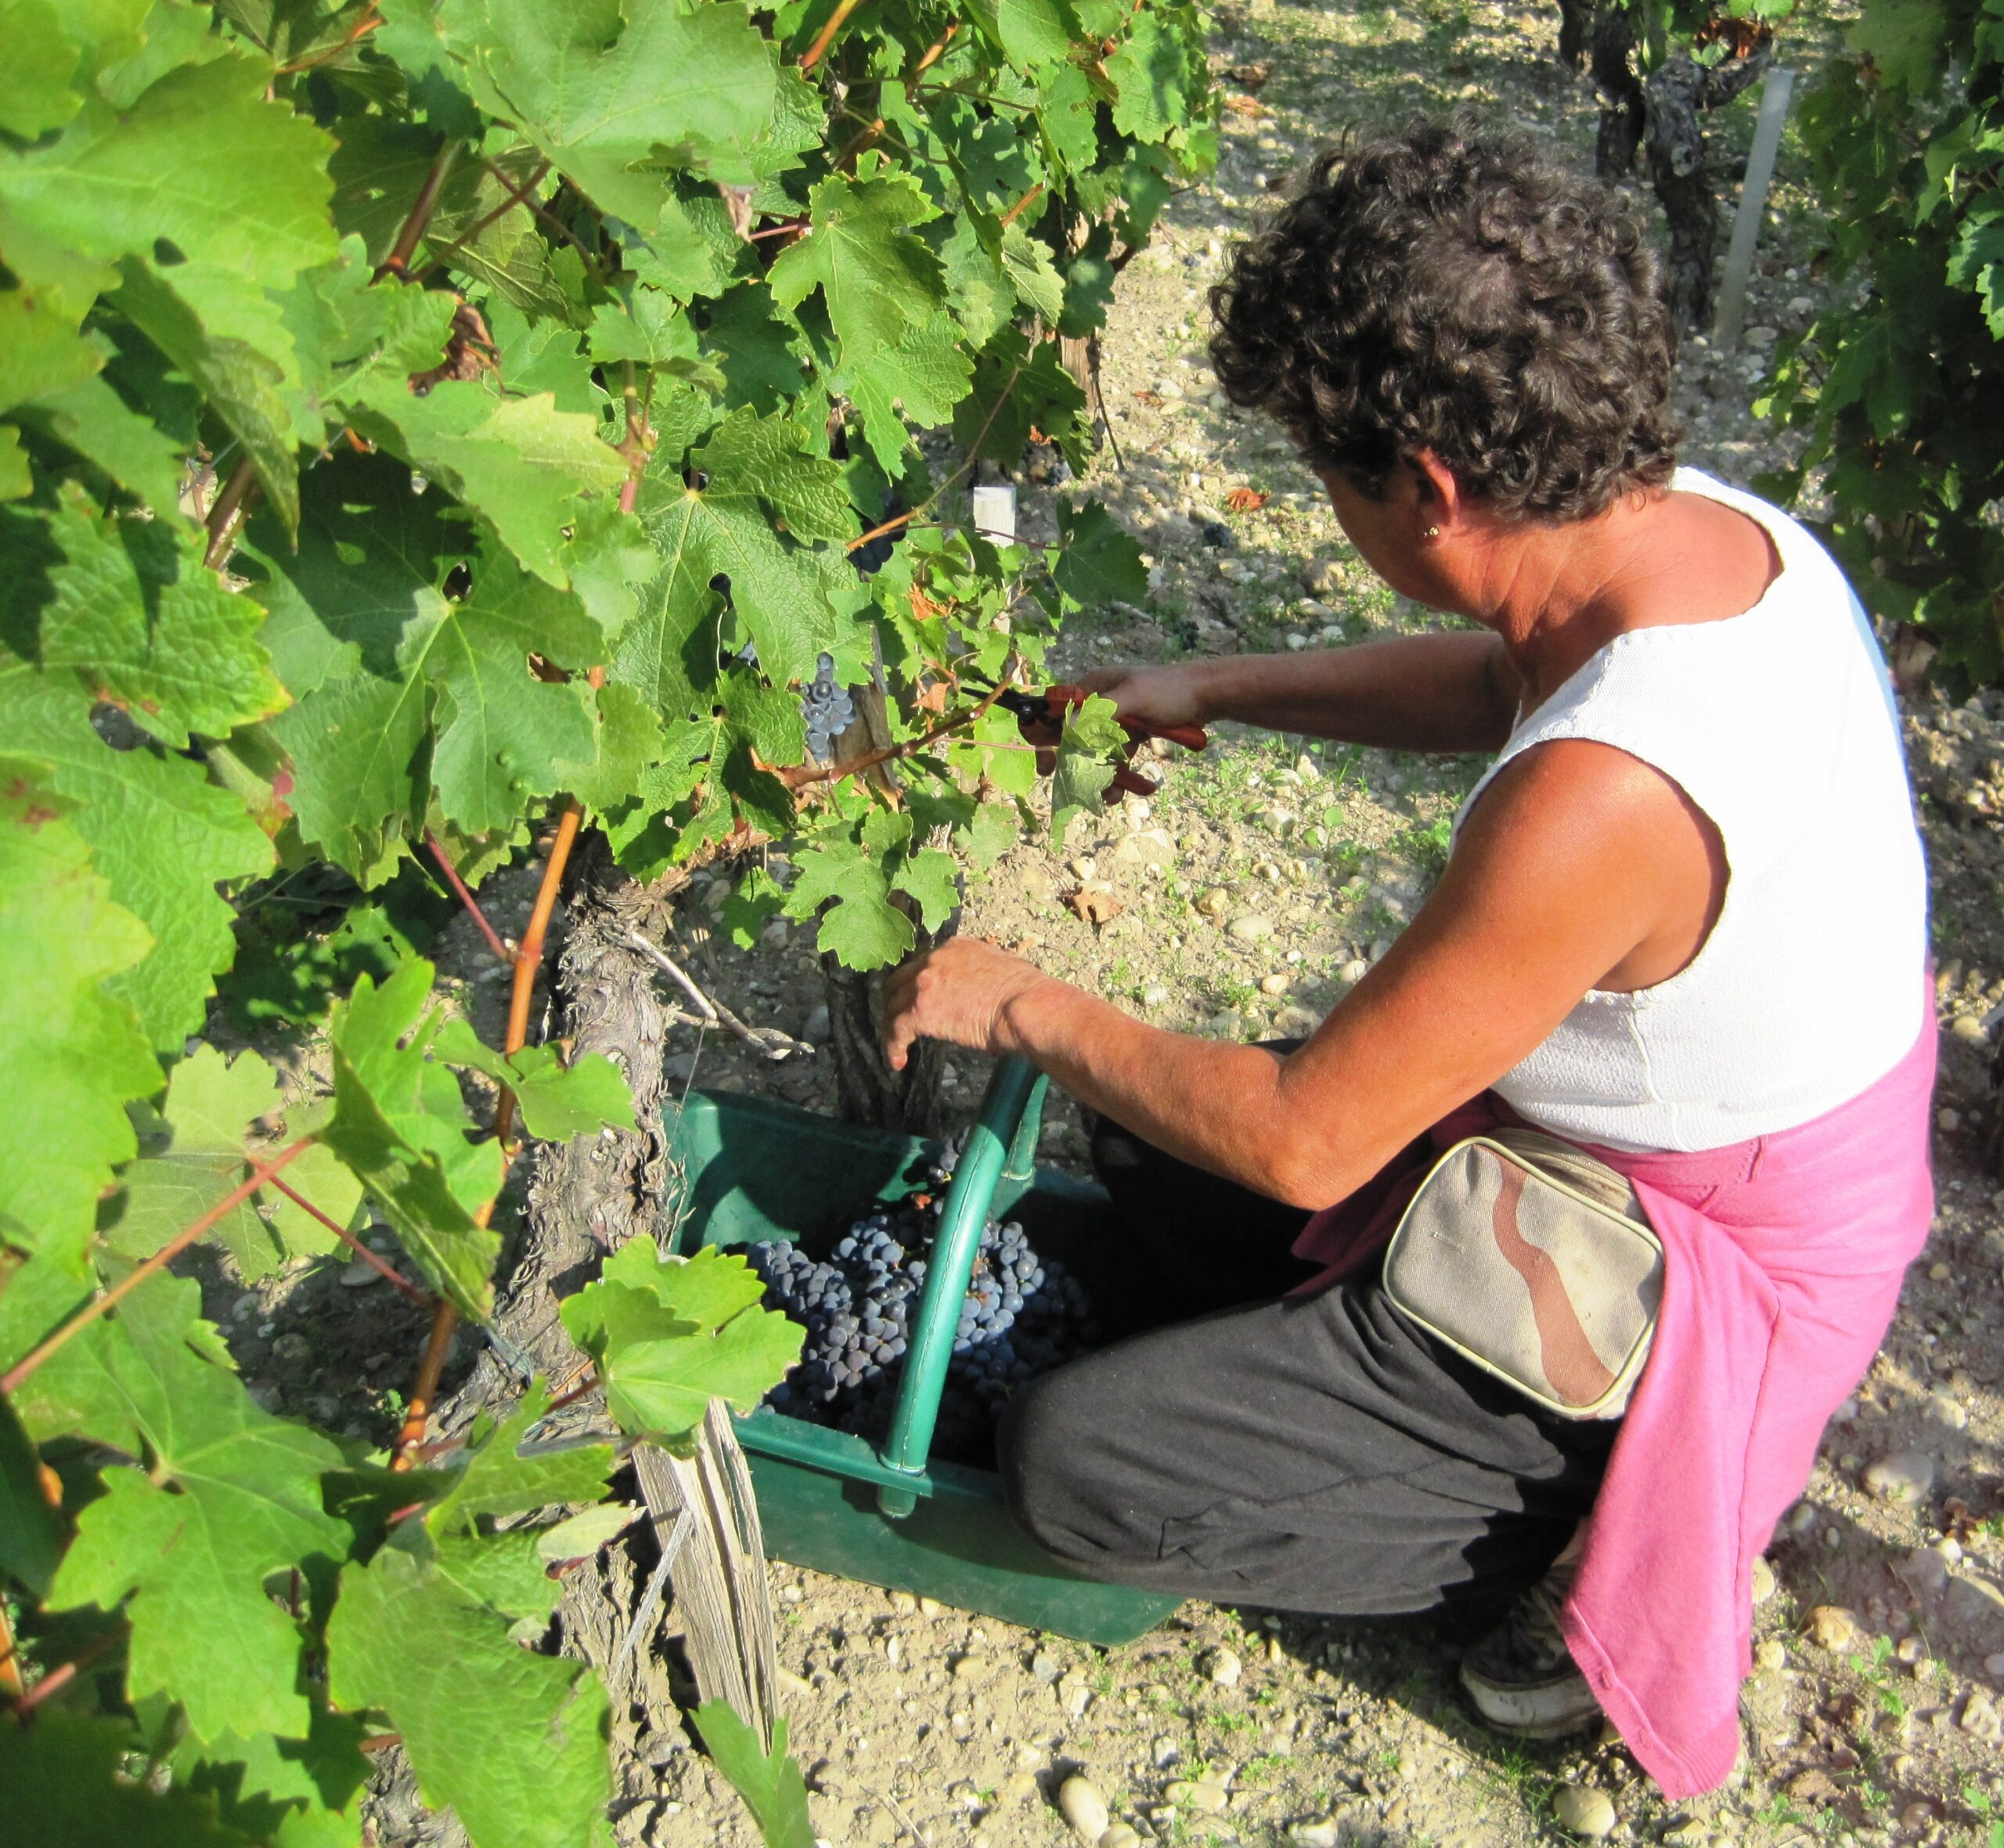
{"x":1447,"y":693}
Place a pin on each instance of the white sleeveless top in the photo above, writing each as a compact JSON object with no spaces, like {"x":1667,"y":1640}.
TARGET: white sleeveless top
{"x":1780,"y":724}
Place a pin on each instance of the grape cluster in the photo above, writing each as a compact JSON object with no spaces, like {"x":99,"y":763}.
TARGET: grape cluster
{"x":827,"y":707}
{"x":1021,"y":1317}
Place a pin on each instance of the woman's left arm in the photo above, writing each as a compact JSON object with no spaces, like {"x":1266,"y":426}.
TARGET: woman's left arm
{"x":1575,"y":856}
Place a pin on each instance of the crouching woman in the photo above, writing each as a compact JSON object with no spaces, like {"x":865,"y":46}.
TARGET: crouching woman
{"x":1682,"y":928}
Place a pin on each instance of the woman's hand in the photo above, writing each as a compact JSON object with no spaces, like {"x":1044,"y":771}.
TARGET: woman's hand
{"x":1158,"y":697}
{"x":960,"y":993}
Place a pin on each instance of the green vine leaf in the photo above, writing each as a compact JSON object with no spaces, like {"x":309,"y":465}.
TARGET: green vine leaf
{"x":195,"y":1154}
{"x":36,"y":91}
{"x":65,"y":1781}
{"x":459,"y":672}
{"x":245,"y":1505}
{"x":71,"y":1054}
{"x":399,"y":1123}
{"x":715,"y":524}
{"x":262,"y":213}
{"x":877,"y":280}
{"x":162,"y":836}
{"x":1096,"y":563}
{"x":515,"y":1742}
{"x":1086,"y":757}
{"x":140,"y":621}
{"x":557,"y":1101}
{"x":669,"y":1335}
{"x":1148,"y":74}
{"x":934,"y":880}
{"x":769,"y":1783}
{"x":496,"y":1478}
{"x":520,"y":461}
{"x":92,"y":419}
{"x":290,"y":1793}
{"x":696,"y":87}
{"x":861,"y":925}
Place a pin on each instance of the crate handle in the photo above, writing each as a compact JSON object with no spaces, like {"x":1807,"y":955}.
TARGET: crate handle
{"x":1001,"y":1142}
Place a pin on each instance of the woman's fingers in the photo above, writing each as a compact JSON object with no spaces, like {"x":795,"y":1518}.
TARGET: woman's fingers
{"x":900,"y":1000}
{"x":956,"y":992}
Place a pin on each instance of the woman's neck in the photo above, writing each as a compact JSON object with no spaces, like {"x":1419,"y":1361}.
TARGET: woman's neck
{"x":1558,"y":594}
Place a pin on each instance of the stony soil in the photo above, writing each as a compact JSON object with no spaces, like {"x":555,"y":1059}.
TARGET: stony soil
{"x":1253,"y":891}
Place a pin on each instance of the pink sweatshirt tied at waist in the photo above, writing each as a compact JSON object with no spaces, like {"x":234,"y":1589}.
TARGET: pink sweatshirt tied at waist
{"x":1783,"y":1261}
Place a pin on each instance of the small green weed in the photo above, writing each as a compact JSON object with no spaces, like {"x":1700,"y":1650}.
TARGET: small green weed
{"x":1878,"y":1676}
{"x":1428,"y":846}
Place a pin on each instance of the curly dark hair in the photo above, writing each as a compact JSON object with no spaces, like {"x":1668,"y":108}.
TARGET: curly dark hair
{"x":1455,"y":289}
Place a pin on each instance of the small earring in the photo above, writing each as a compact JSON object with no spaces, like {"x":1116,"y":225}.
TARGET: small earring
{"x":1431,"y":532}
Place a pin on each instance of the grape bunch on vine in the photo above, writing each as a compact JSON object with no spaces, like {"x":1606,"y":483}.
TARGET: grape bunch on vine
{"x":429,"y":429}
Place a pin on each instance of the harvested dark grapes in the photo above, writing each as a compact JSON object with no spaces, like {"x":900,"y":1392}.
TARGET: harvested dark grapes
{"x":1021,"y":1317}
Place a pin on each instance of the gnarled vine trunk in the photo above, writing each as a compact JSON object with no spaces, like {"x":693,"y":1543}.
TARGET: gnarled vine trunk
{"x":1662,"y":118}
{"x":1679,"y":92}
{"x":585,"y":1198}
{"x":1623,"y":112}
{"x":867,"y":1089}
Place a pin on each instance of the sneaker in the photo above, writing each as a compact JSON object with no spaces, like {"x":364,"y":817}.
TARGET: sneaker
{"x":1521,"y":1676}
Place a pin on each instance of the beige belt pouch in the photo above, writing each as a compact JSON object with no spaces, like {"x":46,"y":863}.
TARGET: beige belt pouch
{"x":1535,"y":1261}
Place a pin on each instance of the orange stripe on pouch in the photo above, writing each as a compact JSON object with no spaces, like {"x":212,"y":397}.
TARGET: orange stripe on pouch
{"x":1577,"y":1374}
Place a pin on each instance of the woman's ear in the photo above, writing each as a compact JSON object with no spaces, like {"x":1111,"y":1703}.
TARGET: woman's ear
{"x":1441,"y":500}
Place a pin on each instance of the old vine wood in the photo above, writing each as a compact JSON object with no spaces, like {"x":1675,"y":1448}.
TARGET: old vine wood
{"x":436,"y":435}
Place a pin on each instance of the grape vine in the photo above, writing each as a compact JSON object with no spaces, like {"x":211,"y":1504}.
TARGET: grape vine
{"x":429,"y":429}
{"x":1894,"y":384}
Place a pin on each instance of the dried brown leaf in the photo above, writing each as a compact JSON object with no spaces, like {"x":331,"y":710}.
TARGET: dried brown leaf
{"x":1094,"y":904}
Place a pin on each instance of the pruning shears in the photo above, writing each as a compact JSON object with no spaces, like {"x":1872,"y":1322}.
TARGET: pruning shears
{"x":1040,"y":718}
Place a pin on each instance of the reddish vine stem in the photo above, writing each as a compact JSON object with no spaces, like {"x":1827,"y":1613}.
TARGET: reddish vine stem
{"x":592,"y":263}
{"x":529,"y":958}
{"x":1030,"y":198}
{"x":398,"y":262}
{"x":974,"y":455}
{"x":370,"y":20}
{"x":528,"y":961}
{"x":571,"y":1394}
{"x":517,"y":195}
{"x":874,"y":131}
{"x":877,"y":532}
{"x":63,"y":1674}
{"x":826,"y":37}
{"x":389,"y":1273}
{"x":224,"y":513}
{"x":933,"y":56}
{"x":466,"y":898}
{"x":445,"y":1320}
{"x":886,"y":753}
{"x":11,"y":1381}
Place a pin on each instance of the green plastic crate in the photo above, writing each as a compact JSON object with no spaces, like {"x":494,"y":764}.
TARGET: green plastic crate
{"x":752,"y":1169}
